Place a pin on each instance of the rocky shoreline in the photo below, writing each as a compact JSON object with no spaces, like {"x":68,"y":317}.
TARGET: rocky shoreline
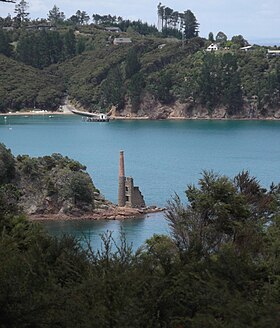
{"x":163,"y":113}
{"x":147,"y":118}
{"x":179,"y":118}
{"x":150,"y":109}
{"x":180,"y":111}
{"x":112,"y":213}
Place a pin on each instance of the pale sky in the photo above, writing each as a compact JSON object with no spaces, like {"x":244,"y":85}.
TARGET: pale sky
{"x":254,"y":19}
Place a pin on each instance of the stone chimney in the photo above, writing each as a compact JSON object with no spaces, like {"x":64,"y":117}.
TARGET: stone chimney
{"x":121,"y":167}
{"x":121,"y":192}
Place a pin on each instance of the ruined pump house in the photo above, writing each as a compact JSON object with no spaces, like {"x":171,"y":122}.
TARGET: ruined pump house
{"x":128,"y":194}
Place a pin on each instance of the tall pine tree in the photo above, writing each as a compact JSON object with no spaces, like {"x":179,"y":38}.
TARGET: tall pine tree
{"x":21,"y":12}
{"x":190,"y":25}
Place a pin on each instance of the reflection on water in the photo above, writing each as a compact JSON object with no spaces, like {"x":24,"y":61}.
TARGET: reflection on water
{"x":136,"y":230}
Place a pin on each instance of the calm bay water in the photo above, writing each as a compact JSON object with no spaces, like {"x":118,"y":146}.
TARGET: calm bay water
{"x":162,"y":156}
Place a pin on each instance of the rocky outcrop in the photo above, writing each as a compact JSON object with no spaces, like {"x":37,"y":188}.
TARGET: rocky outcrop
{"x":152,"y":109}
{"x":55,"y":185}
{"x":107,"y":212}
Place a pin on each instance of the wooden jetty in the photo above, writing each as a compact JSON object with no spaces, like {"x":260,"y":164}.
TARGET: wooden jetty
{"x":92,"y":117}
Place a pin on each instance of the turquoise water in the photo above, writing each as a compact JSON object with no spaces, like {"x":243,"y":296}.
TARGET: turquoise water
{"x":162,"y":156}
{"x":136,"y":230}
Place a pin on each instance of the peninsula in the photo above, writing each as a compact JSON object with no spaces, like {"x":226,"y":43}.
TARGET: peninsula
{"x":59,"y":188}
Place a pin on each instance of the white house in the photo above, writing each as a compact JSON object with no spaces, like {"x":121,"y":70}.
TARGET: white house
{"x":40,"y":27}
{"x":113,"y":29}
{"x":273,"y":53}
{"x":213,"y":47}
{"x":118,"y":41}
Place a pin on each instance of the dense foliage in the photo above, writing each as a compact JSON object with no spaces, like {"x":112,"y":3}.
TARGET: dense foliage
{"x":220,"y":267}
{"x":42,"y":49}
{"x":188,"y":74}
{"x":25,"y":87}
{"x":5,"y":46}
{"x":7,"y":165}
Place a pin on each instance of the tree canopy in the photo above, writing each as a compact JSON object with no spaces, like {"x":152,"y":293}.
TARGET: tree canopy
{"x":55,"y":16}
{"x":21,"y":12}
{"x":219,"y":268}
{"x":170,"y":21}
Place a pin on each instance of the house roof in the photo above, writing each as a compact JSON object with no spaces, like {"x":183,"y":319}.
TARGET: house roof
{"x":113,"y":28}
{"x":124,"y":40}
{"x":273,"y":51}
{"x":213,"y":45}
{"x":246,"y":48}
{"x":46,"y":26}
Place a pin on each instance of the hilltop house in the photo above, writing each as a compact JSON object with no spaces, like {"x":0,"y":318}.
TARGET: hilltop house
{"x":118,"y":41}
{"x":273,"y":53}
{"x":40,"y":27}
{"x":212,"y":47}
{"x":113,"y":29}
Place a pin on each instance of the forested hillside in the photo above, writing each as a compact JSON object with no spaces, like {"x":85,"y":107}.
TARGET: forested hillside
{"x":25,"y":87}
{"x":159,"y":74}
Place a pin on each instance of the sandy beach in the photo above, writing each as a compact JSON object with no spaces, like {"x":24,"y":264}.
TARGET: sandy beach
{"x":65,"y":109}
{"x":26,"y":113}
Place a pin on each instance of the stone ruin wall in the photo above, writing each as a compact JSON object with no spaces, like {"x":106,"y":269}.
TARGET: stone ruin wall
{"x":128,"y":194}
{"x":133,"y":196}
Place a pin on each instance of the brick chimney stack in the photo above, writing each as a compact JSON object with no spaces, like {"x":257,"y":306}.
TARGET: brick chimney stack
{"x":121,"y":167}
{"x":121,"y":192}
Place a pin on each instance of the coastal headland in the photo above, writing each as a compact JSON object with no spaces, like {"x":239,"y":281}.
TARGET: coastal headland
{"x":59,"y":188}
